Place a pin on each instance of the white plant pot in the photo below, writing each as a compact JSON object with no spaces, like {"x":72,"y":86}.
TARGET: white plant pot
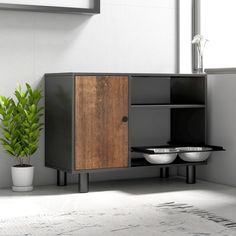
{"x":22,"y":178}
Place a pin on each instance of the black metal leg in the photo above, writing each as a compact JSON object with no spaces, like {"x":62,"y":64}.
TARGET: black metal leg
{"x":61,"y":178}
{"x":191,"y":174}
{"x":164,"y":172}
{"x":83,"y":182}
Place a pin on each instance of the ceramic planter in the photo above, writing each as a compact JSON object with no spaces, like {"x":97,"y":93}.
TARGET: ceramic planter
{"x":22,"y":178}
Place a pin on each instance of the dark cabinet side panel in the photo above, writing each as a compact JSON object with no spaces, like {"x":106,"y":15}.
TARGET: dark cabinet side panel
{"x":101,"y":133}
{"x":59,"y":122}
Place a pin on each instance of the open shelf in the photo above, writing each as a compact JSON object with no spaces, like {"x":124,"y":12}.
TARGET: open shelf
{"x":139,"y":161}
{"x":150,"y":90}
{"x":165,"y":106}
{"x":149,"y":127}
{"x":168,"y":90}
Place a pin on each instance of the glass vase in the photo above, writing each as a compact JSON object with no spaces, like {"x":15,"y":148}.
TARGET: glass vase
{"x":200,"y":68}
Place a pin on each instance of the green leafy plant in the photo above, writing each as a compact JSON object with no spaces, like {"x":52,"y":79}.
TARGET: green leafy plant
{"x":20,"y":123}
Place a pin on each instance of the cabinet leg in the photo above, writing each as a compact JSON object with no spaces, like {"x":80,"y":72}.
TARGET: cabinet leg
{"x":61,"y":178}
{"x":191,"y":174}
{"x":164,"y":172}
{"x":83,"y":182}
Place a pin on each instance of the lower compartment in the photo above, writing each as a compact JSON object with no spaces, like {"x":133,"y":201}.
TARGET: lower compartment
{"x":140,"y":162}
{"x":170,"y":155}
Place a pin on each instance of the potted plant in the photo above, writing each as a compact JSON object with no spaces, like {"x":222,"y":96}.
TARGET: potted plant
{"x":21,"y":126}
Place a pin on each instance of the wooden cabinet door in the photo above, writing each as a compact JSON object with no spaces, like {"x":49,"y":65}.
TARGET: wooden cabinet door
{"x":101,"y":131}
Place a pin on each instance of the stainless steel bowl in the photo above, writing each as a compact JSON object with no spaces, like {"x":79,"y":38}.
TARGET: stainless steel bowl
{"x":194,"y":154}
{"x":161,"y":156}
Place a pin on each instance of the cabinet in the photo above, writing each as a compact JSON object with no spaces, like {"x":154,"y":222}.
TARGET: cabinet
{"x":102,"y":122}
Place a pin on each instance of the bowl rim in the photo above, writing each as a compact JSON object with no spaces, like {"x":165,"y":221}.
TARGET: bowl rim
{"x":158,"y":150}
{"x":187,"y":149}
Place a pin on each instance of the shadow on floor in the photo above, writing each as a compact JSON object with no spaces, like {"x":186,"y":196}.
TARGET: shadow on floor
{"x":143,"y":186}
{"x":131,"y":186}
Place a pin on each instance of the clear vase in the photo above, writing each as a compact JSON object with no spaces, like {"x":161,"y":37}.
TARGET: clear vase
{"x":200,"y":68}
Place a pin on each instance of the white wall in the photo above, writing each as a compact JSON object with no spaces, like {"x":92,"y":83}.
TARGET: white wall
{"x":221,"y":129}
{"x":128,"y":36}
{"x":218,"y":25}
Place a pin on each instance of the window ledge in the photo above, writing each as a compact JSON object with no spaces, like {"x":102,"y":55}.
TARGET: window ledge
{"x":231,"y":70}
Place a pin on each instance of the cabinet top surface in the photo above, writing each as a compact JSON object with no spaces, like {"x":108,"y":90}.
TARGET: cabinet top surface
{"x":125,"y":74}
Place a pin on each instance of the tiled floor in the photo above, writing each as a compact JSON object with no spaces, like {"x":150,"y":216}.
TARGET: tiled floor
{"x":50,"y":200}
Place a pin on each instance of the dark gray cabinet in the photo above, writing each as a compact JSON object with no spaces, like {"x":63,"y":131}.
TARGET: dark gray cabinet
{"x":99,"y":122}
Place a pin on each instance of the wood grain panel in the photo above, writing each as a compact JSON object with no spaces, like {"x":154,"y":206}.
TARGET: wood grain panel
{"x":101,"y":138}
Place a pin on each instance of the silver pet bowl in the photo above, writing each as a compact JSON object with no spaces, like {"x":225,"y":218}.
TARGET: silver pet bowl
{"x":194,"y":154}
{"x":161,"y":156}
